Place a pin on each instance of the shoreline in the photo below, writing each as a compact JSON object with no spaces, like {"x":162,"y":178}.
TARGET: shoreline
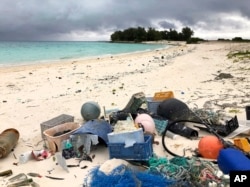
{"x":82,"y":59}
{"x":85,"y":60}
{"x":31,"y":95}
{"x":89,"y":56}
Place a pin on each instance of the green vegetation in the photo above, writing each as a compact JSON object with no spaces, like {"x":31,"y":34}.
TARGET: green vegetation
{"x":235,"y":39}
{"x":235,"y":111}
{"x":239,"y":55}
{"x":140,"y":34}
{"x":239,"y":39}
{"x":194,"y":40}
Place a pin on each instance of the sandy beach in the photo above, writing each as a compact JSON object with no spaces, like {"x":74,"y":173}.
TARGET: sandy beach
{"x":33,"y":94}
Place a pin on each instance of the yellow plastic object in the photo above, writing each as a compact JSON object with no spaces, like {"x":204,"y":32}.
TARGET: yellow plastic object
{"x":242,"y":143}
{"x":158,"y":96}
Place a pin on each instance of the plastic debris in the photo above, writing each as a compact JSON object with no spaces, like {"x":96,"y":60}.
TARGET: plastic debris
{"x":6,"y":173}
{"x":21,"y":183}
{"x":34,"y":175}
{"x":61,"y":161}
{"x":18,"y":177}
{"x":55,"y":178}
{"x":37,"y":155}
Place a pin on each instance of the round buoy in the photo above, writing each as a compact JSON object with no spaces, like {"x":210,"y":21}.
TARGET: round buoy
{"x":209,"y":147}
{"x":146,"y":121}
{"x":90,"y":110}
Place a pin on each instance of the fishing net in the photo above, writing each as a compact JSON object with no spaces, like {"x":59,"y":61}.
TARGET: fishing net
{"x":211,"y":116}
{"x":161,"y":172}
{"x":171,"y":171}
{"x":188,"y":172}
{"x":123,"y":176}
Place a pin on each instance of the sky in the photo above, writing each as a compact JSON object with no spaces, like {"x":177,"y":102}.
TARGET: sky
{"x":95,"y":20}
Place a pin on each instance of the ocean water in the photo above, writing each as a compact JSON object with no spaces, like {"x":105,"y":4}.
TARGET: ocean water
{"x":18,"y":53}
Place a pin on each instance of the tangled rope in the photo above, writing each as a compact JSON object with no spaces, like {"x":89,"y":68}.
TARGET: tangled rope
{"x":213,"y":117}
{"x":188,"y":172}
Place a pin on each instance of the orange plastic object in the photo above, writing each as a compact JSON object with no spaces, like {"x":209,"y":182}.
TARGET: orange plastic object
{"x":209,"y":147}
{"x":242,"y":143}
{"x":163,"y":95}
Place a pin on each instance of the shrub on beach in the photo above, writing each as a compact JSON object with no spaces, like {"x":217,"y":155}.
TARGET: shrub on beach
{"x":194,"y":40}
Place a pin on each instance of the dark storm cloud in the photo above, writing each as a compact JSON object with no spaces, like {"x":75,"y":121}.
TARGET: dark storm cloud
{"x":166,"y":25}
{"x":83,"y":19}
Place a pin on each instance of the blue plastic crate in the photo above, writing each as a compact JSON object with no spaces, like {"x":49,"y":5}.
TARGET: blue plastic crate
{"x":138,"y":152}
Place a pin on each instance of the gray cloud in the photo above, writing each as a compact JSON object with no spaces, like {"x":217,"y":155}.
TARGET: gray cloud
{"x":167,"y":25}
{"x":90,"y":20}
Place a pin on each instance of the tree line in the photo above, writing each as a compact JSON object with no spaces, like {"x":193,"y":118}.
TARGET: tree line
{"x":140,"y":34}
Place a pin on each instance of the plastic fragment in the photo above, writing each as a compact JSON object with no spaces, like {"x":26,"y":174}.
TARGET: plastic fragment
{"x":21,"y":183}
{"x":84,"y":167}
{"x":18,"y":177}
{"x":61,"y":161}
{"x":34,"y":175}
{"x":55,"y":178}
{"x":6,"y":173}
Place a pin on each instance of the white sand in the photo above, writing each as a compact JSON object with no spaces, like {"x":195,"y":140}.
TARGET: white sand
{"x":30,"y":95}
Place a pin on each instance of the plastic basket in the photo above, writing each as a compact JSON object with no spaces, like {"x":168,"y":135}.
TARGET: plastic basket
{"x":63,"y":118}
{"x":54,"y":142}
{"x":123,"y":137}
{"x":138,"y":152}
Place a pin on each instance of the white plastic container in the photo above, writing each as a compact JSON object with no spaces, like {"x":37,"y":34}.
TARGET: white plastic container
{"x":129,"y":138}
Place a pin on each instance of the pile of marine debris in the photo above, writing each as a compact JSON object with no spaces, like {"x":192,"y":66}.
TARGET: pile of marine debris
{"x":129,"y":134}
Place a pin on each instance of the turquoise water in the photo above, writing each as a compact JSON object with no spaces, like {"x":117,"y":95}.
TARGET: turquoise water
{"x":15,"y":53}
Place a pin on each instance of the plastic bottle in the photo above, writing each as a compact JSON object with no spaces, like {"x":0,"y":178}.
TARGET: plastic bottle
{"x":74,"y":142}
{"x":171,"y":135}
{"x":25,"y":157}
{"x":68,"y":144}
{"x":8,"y":140}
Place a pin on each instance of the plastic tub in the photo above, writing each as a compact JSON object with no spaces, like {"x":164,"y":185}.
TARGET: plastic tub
{"x":65,"y":129}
